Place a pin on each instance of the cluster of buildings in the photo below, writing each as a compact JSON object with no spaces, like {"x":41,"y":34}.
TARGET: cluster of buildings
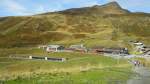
{"x":141,"y":47}
{"x":81,"y":48}
{"x":138,"y":47}
{"x":60,"y":48}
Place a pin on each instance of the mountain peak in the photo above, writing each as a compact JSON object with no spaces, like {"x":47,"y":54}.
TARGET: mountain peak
{"x":113,"y":8}
{"x":112,"y":4}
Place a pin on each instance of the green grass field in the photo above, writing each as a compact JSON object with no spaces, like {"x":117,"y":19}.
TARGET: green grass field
{"x":78,"y":69}
{"x":93,"y":76}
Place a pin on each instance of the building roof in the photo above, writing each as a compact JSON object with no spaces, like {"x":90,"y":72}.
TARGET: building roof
{"x":77,"y":46}
{"x":139,"y":43}
{"x":119,"y":48}
{"x":54,"y":46}
{"x":42,"y":46}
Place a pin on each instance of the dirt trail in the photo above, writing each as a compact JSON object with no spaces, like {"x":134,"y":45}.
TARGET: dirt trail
{"x":143,"y":76}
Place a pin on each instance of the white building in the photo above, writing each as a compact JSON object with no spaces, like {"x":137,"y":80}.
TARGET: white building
{"x":54,"y":48}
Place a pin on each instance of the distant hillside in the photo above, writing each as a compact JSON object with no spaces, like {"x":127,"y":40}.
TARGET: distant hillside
{"x":96,"y":25}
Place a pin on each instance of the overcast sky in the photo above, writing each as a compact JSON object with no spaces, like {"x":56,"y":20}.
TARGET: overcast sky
{"x":30,"y":7}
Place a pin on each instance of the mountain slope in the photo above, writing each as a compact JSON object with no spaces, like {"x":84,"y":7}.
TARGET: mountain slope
{"x":97,"y":25}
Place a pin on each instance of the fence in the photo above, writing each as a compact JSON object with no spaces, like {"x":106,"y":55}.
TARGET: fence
{"x":37,"y":58}
{"x":47,"y":58}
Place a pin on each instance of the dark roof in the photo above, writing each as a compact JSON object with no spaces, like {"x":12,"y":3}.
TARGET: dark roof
{"x":115,"y":48}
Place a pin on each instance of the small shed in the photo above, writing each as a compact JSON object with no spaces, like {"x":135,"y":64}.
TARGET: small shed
{"x":42,"y":46}
{"x":140,"y":47}
{"x":78,"y":48}
{"x":54,"y":48}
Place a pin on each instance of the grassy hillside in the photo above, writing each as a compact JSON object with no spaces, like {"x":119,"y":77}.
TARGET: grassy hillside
{"x":88,"y":24}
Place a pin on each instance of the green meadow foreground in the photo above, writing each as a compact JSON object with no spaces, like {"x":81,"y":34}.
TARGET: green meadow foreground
{"x":78,"y":69}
